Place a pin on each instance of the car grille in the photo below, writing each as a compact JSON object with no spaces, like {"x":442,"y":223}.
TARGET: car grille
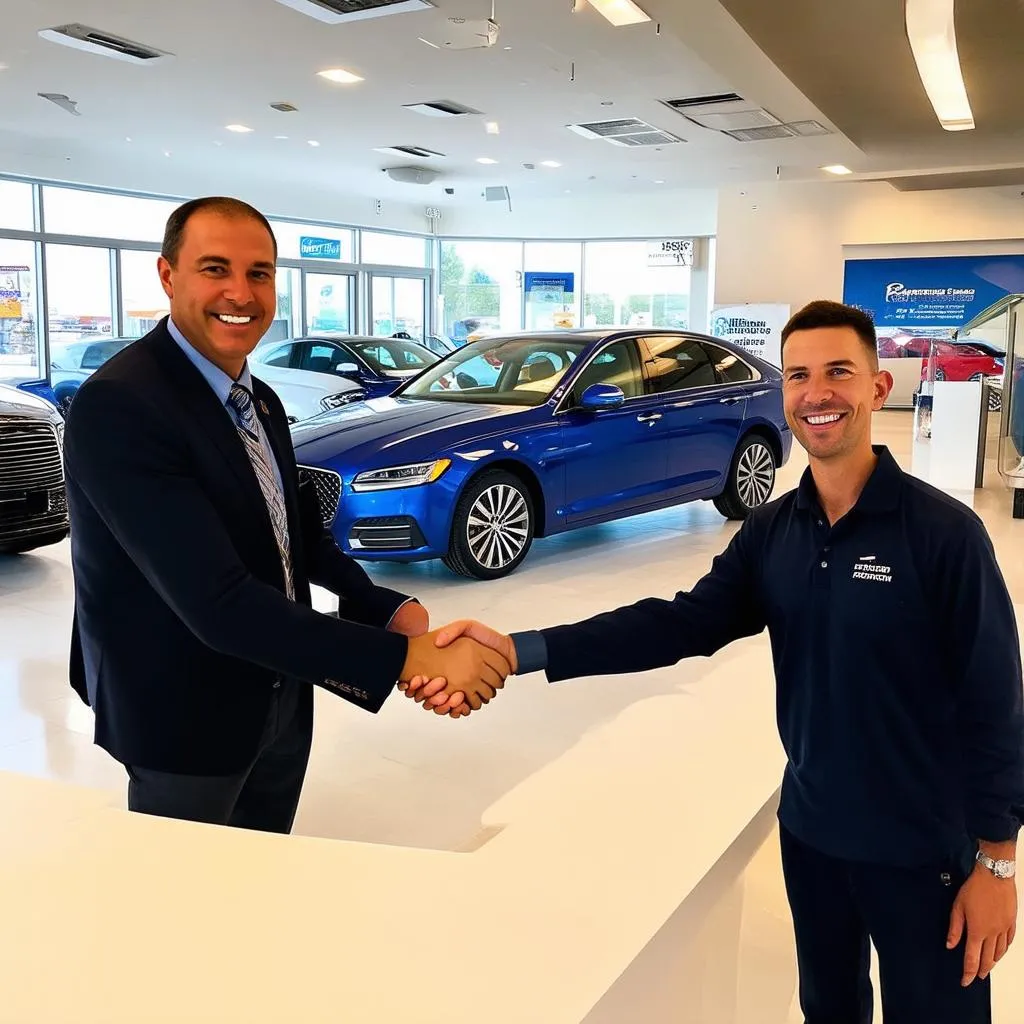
{"x":328,"y":491}
{"x":32,"y":496}
{"x":386,"y":533}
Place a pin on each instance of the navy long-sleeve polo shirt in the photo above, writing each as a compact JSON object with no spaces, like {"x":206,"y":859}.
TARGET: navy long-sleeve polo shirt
{"x":897,"y":662}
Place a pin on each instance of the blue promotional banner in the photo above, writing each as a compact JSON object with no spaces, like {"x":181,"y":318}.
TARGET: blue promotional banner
{"x":319,"y":248}
{"x":565,"y":283}
{"x":941,"y":293}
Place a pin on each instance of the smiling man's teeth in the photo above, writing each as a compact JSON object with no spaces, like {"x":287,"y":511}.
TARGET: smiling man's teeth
{"x":225,"y":318}
{"x":820,"y":421}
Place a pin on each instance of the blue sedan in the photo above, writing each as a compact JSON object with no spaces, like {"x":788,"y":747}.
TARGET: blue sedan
{"x":513,"y":438}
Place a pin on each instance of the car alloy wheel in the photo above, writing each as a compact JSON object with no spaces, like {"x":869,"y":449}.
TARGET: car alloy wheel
{"x":755,"y":475}
{"x":498,"y":527}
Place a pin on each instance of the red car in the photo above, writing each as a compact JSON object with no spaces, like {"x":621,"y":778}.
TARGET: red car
{"x":959,"y":361}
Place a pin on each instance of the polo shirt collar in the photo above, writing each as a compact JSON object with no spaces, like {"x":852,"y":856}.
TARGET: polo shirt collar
{"x":881,"y":493}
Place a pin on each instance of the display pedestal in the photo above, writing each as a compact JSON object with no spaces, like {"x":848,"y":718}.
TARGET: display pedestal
{"x":947,"y":432}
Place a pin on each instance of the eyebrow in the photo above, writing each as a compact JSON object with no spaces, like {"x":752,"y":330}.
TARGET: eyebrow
{"x":831,"y":365}
{"x":224,"y":262}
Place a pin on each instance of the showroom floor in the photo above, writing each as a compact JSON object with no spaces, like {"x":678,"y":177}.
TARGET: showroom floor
{"x":377,"y":779}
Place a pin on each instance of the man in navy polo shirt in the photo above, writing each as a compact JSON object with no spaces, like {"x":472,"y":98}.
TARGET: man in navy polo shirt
{"x":900,"y":706}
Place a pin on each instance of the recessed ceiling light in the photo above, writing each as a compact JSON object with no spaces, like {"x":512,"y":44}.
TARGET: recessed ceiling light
{"x":837,"y":169}
{"x":167,"y":153}
{"x":340,"y":76}
{"x":485,"y":160}
{"x":127,"y":139}
{"x":493,"y":128}
{"x":240,"y":128}
{"x":550,"y":163}
{"x":620,"y":12}
{"x":659,"y":181}
{"x":280,"y":137}
{"x":314,"y":143}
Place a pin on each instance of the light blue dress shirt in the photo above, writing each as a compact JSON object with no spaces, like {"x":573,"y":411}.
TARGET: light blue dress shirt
{"x":222,"y":384}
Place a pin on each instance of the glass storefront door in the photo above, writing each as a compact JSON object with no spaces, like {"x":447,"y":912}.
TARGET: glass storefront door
{"x":21,"y":340}
{"x":398,"y":305}
{"x":330,"y":303}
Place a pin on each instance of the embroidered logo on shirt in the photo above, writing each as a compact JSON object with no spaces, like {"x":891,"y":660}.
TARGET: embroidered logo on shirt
{"x":868,"y":568}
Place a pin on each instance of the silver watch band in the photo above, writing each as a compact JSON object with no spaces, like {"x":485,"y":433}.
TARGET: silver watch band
{"x":999,"y":868}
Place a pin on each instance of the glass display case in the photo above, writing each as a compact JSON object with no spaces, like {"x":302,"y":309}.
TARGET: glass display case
{"x":1000,"y":328}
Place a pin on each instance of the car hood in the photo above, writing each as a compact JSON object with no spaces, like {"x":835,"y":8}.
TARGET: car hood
{"x":403,"y":428}
{"x":15,"y":402}
{"x":318,"y":383}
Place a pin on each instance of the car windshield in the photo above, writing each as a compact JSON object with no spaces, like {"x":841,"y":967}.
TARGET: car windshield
{"x":385,"y":355}
{"x":500,"y":371}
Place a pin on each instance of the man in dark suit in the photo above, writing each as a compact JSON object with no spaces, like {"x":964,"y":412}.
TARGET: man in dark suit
{"x":194,"y":545}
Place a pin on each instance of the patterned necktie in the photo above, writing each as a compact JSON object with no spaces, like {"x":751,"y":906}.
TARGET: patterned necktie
{"x":257,"y":447}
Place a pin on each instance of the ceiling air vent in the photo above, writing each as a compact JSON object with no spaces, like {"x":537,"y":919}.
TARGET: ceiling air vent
{"x":630,"y":132}
{"x":284,"y":107}
{"x":726,"y":112}
{"x":808,"y":129}
{"x":415,"y":151}
{"x":440,"y":108}
{"x":778,"y":131}
{"x":335,"y":12}
{"x":106,"y":44}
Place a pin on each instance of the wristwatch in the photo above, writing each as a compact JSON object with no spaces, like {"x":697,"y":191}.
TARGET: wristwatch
{"x":999,"y":868}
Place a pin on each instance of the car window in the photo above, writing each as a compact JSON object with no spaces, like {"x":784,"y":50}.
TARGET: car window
{"x":618,"y":365}
{"x":280,"y":356}
{"x":729,"y":367}
{"x":677,"y":364}
{"x":325,"y":357}
{"x":389,"y":354}
{"x":96,"y":355}
{"x":504,"y":371}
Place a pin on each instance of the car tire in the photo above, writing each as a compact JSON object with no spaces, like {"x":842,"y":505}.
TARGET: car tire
{"x":751,"y":478}
{"x":493,"y":527}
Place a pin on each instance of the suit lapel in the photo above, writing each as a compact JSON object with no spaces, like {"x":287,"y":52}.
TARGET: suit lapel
{"x":210,"y":417}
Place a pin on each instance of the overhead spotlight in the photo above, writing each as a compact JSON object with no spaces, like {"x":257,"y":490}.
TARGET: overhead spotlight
{"x":340,"y":76}
{"x":837,"y":169}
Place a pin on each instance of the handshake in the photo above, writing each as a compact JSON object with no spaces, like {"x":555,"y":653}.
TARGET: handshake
{"x":457,"y":669}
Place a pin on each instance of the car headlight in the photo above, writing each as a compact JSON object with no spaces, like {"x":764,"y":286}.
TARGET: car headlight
{"x":401,"y":476}
{"x":340,"y":399}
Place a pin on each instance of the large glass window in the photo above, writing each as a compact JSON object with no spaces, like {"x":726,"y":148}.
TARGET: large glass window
{"x":392,"y":250}
{"x":553,"y":273}
{"x":289,"y":237}
{"x":287,"y":322}
{"x":481,"y":288}
{"x":20,"y":337}
{"x":398,"y":306}
{"x":77,"y":296}
{"x":622,"y":290}
{"x":143,"y":302}
{"x":74,"y":211}
{"x":16,"y":210}
{"x":329,"y":302}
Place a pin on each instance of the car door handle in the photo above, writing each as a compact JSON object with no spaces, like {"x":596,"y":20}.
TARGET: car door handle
{"x":729,"y":401}
{"x":650,"y":418}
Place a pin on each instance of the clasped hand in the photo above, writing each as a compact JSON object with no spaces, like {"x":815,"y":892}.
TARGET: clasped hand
{"x":443,"y":678}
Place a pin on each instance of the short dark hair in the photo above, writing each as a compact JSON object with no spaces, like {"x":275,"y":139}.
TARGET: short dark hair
{"x":824,"y":313}
{"x":174,"y":233}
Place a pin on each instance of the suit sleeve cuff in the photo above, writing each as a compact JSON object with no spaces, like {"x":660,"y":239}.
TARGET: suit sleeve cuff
{"x":531,"y":652}
{"x":411,"y":600}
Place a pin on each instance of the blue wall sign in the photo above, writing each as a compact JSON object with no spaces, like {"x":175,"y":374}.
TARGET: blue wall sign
{"x":319,"y":248}
{"x":550,"y":283}
{"x":932,"y":292}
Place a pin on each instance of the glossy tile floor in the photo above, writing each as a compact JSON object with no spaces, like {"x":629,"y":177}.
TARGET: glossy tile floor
{"x":378,"y":779}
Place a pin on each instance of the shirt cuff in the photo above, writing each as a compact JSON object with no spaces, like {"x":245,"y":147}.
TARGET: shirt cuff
{"x":531,"y":652}
{"x":410,"y":600}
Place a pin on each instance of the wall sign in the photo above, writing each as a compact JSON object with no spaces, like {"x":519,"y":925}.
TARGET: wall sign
{"x":670,"y":252}
{"x":319,"y":248}
{"x":756,"y":329}
{"x":932,"y":292}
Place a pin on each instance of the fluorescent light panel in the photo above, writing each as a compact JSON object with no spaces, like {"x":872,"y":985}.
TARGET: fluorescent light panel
{"x":931,"y":29}
{"x":340,"y":75}
{"x":620,"y":12}
{"x":837,"y":169}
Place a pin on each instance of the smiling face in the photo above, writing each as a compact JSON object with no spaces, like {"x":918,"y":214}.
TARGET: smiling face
{"x":831,"y":386}
{"x":222,"y":286}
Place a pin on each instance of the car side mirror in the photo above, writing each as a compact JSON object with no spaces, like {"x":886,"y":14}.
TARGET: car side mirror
{"x":601,"y":397}
{"x":346,"y":368}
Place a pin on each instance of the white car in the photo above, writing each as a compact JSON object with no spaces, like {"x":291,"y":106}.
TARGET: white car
{"x":305,"y":393}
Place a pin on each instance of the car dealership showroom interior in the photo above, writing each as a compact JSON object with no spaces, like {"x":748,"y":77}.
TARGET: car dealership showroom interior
{"x":551,"y":516}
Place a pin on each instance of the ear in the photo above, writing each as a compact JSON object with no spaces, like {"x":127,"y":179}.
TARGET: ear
{"x":884,"y":384}
{"x":164,"y":269}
